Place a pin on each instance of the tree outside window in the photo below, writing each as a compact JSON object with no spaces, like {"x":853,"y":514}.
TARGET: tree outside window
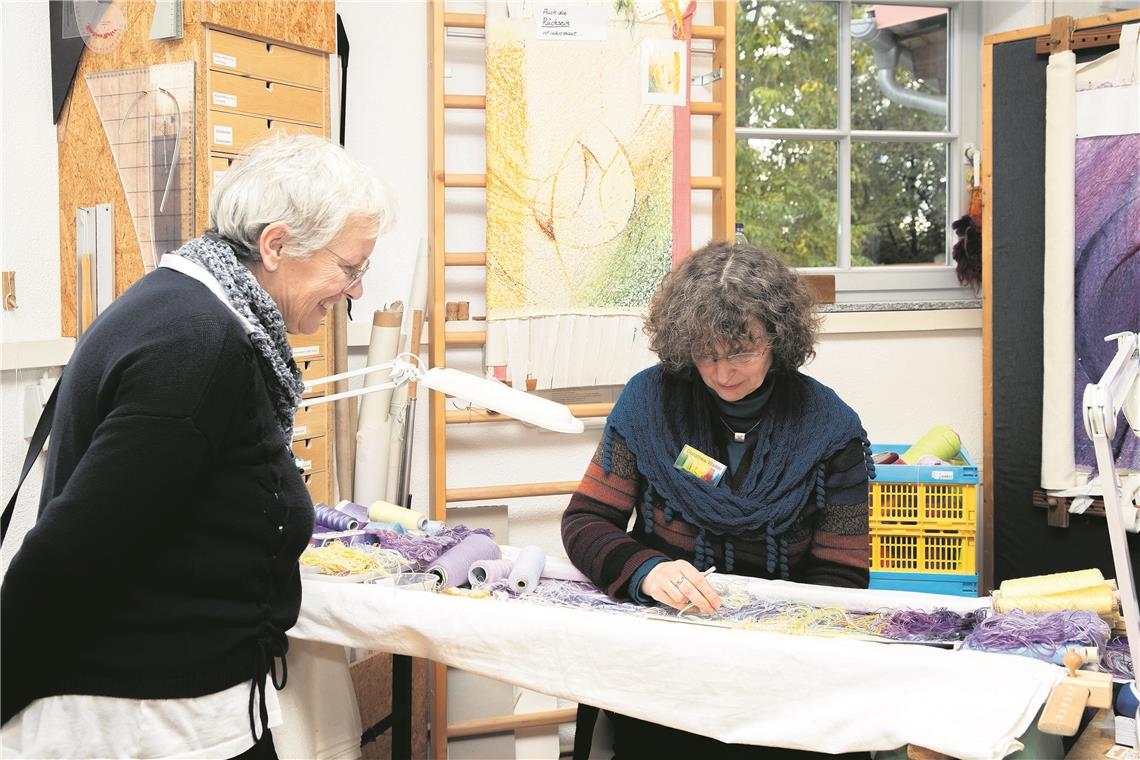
{"x":842,"y":141}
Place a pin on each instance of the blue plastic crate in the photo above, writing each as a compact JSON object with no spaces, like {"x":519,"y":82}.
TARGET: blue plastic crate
{"x":911,"y":473}
{"x":930,"y":583}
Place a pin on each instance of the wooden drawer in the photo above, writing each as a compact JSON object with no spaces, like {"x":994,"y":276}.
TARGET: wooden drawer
{"x":257,"y":97}
{"x":311,"y":453}
{"x":310,"y":422}
{"x":318,"y":485}
{"x":232,"y":132}
{"x":311,"y":369}
{"x":277,"y":63}
{"x":219,"y":165}
{"x":308,"y":346}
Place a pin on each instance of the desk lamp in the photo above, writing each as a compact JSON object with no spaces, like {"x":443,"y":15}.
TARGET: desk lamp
{"x":1118,"y":389}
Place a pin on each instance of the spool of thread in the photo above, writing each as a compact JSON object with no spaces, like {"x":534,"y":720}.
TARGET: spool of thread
{"x":940,"y":441}
{"x":487,"y":571}
{"x":527,"y":569}
{"x":1055,"y":583}
{"x":454,"y":564}
{"x":359,"y":512}
{"x":562,"y":569}
{"x":431,"y":527}
{"x":1099,"y":599}
{"x":331,"y":518}
{"x":383,"y":511}
{"x":375,"y":526}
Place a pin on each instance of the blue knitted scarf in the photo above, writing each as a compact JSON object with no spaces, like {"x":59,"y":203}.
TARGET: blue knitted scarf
{"x":804,"y":424}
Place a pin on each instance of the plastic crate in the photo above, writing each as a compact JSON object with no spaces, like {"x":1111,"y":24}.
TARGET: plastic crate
{"x":940,"y":496}
{"x":923,"y":551}
{"x":955,"y":585}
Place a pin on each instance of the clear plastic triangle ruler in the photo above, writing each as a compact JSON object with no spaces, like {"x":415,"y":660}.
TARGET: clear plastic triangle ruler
{"x":148,"y":117}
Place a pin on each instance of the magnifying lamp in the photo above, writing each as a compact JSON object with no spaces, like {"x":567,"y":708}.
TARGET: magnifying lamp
{"x":1118,"y":389}
{"x":488,"y":394}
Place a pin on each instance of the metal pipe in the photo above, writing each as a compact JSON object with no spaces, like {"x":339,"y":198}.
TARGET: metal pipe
{"x":888,"y":53}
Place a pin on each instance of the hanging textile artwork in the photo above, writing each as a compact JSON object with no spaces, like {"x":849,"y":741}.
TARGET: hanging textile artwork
{"x":1092,"y":266}
{"x":579,"y":190}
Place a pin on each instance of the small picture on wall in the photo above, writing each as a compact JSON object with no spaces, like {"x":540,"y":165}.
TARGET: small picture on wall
{"x":664,"y":72}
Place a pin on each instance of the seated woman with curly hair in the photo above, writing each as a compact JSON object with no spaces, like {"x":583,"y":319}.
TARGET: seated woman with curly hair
{"x":731,"y":326}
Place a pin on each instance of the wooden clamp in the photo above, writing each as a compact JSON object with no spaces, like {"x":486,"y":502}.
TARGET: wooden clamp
{"x":1062,"y":713}
{"x":1061,"y":34}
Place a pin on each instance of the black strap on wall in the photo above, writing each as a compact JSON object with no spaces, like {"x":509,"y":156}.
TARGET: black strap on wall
{"x":342,"y":53}
{"x":39,"y":437}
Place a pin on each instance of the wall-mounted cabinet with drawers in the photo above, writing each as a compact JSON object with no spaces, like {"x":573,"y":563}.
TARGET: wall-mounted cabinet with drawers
{"x":256,"y":87}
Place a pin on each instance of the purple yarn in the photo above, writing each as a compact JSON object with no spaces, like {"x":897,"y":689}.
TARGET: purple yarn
{"x":421,"y":551}
{"x":334,"y":520}
{"x":453,"y":565}
{"x":1041,"y":633}
{"x":1116,"y":659}
{"x":358,"y":512}
{"x":939,"y":625}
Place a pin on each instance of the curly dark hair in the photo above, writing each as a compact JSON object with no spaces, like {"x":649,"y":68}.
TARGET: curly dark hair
{"x":718,"y":296}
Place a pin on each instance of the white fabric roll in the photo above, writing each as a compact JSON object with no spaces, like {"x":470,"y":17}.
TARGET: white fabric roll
{"x":1058,"y":470}
{"x":373,"y":434}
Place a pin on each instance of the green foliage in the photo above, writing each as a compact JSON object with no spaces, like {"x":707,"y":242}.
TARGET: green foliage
{"x":786,"y":196}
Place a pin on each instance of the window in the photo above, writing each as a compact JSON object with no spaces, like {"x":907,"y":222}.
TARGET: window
{"x":847,"y":140}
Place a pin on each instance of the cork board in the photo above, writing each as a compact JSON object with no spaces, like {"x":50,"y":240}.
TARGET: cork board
{"x":87,"y":171}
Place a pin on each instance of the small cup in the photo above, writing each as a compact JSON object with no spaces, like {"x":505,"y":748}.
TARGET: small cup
{"x":416,"y":581}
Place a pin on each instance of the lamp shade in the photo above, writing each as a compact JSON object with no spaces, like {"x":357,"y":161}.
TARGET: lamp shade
{"x":493,"y":395}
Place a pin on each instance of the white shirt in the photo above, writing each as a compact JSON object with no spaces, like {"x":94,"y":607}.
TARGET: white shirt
{"x":84,"y":726}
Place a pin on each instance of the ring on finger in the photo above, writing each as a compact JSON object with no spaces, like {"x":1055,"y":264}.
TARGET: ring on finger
{"x":679,"y":580}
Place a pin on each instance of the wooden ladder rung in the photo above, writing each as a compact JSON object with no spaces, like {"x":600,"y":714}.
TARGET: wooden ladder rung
{"x":464,"y":416}
{"x":707,"y":183}
{"x":464,"y":180}
{"x":474,"y":102}
{"x":466,"y":338}
{"x":515,"y":491}
{"x":706,"y":108}
{"x":465,"y":259}
{"x":499,"y":724}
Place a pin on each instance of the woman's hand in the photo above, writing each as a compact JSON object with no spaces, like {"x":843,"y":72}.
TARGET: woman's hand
{"x":679,"y":585}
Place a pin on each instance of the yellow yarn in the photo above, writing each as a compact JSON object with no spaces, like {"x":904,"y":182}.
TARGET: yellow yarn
{"x":335,"y":558}
{"x":1100,"y":599}
{"x":1056,"y":583}
{"x":383,"y":511}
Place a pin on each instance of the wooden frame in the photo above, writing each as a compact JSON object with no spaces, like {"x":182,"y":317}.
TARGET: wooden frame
{"x":722,"y":183}
{"x":1074,"y":28}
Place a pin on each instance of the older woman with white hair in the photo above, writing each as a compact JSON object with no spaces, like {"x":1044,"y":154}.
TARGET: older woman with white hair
{"x":146,"y":610}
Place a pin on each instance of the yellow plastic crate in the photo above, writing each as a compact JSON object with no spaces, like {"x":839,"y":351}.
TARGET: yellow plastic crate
{"x":923,"y":551}
{"x":923,"y":505}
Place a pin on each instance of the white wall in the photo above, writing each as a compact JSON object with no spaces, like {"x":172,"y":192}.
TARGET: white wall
{"x":1007,"y":15}
{"x":29,"y":230}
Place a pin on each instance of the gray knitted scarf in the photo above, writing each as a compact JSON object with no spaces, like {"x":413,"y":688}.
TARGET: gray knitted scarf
{"x":283,"y":378}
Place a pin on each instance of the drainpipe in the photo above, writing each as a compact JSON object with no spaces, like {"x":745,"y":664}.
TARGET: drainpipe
{"x":888,"y":52}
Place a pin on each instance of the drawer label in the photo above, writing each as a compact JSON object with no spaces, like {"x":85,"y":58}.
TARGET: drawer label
{"x":300,"y":430}
{"x":304,"y":464}
{"x":219,"y":175}
{"x":221,"y":59}
{"x":223,"y":135}
{"x":300,"y":351}
{"x":225,"y":99}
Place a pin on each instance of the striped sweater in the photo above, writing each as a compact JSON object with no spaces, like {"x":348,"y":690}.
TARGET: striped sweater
{"x":829,"y":547}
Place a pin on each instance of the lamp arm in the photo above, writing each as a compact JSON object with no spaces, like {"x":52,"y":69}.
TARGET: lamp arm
{"x":1102,"y":403}
{"x":318,"y":400}
{"x":399,"y":369}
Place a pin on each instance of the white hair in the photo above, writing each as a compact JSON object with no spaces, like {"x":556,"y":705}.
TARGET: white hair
{"x":309,"y":183}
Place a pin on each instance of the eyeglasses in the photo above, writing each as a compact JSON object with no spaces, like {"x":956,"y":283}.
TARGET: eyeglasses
{"x":736,"y":360}
{"x":355,"y":273}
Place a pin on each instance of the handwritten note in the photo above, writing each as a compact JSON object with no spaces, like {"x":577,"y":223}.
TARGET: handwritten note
{"x":557,"y":21}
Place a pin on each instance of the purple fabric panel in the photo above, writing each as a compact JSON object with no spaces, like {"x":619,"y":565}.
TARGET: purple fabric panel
{"x":1107,"y":282}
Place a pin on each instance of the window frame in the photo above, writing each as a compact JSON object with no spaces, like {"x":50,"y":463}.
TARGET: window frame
{"x":905,"y":282}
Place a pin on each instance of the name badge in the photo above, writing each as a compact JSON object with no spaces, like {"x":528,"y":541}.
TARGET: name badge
{"x":699,"y":465}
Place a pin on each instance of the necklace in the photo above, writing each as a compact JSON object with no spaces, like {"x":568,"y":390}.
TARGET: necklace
{"x":739,"y":437}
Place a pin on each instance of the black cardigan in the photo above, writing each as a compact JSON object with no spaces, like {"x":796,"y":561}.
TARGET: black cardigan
{"x":164,"y":560}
